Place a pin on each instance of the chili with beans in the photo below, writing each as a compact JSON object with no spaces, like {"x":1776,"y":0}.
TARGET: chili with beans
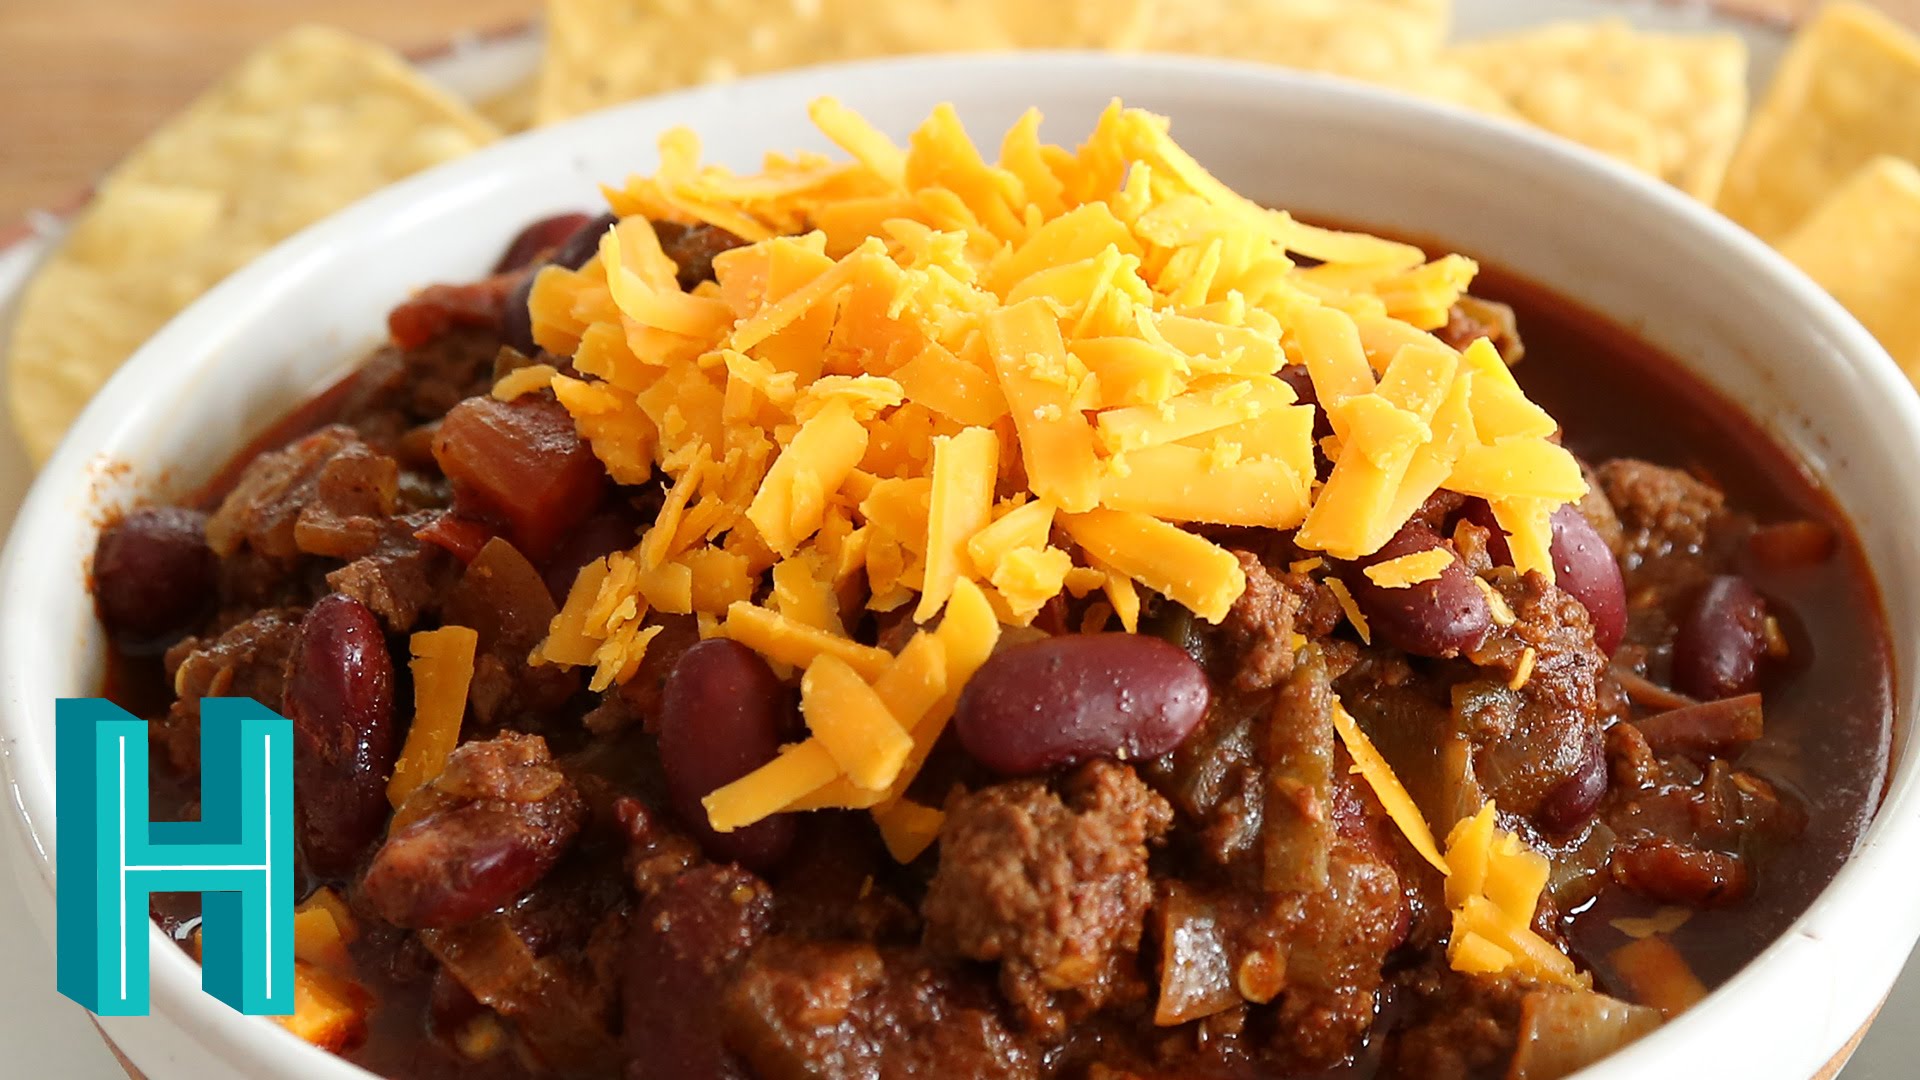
{"x":1156,"y":860}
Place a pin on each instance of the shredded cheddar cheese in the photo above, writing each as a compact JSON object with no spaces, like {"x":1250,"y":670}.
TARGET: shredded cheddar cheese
{"x":853,"y":723}
{"x":1409,"y":570}
{"x":1494,"y":882}
{"x":442,"y":668}
{"x":1352,"y":610}
{"x":958,"y":388}
{"x":1387,"y":787}
{"x":1523,"y":671}
{"x":1502,"y":614}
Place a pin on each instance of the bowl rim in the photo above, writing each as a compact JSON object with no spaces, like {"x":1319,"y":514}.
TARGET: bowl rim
{"x":1892,"y":837}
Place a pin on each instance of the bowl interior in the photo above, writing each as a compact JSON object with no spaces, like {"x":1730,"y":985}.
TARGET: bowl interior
{"x":1626,"y":247}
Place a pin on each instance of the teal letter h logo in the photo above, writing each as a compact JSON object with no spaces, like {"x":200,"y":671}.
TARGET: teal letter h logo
{"x":239,"y":855}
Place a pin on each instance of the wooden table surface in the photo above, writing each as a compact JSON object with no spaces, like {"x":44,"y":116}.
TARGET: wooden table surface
{"x":82,"y":80}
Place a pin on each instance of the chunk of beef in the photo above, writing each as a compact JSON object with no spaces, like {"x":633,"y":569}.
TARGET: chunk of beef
{"x":478,"y":836}
{"x":685,"y":947}
{"x":1669,"y":872}
{"x":503,"y":599}
{"x":401,"y":577}
{"x":1459,"y":1026}
{"x":833,"y":1010}
{"x":1338,"y":940}
{"x":323,"y":495}
{"x":398,"y":390}
{"x":657,"y":854}
{"x":1534,"y":716}
{"x":1661,"y":510}
{"x":692,"y":248}
{"x":1053,"y":889}
{"x":248,"y":660}
{"x":1259,"y":629}
{"x":1471,"y":318}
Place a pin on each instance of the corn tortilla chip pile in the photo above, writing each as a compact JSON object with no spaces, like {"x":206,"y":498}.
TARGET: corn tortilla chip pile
{"x":1862,"y":243}
{"x":317,"y":119}
{"x":1828,"y":171}
{"x":603,"y":52}
{"x":1668,"y":104}
{"x":1848,"y":91}
{"x":307,"y":124}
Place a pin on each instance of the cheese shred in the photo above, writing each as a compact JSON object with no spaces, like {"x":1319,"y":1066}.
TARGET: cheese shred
{"x":976,"y":386}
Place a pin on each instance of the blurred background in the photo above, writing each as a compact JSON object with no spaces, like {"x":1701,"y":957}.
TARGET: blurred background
{"x":83,"y":80}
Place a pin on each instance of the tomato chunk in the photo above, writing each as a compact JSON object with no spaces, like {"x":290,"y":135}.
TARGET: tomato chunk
{"x":520,"y":463}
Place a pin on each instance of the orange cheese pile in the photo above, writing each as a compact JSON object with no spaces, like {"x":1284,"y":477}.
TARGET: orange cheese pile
{"x":1493,"y":886}
{"x":930,"y":376}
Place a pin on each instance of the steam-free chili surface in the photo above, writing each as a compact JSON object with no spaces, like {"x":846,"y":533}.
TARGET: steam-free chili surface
{"x":554,"y":906}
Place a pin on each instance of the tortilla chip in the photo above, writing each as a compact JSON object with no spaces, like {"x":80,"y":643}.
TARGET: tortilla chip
{"x":309,"y":123}
{"x":1667,"y":104}
{"x":604,"y":52}
{"x":1847,"y":90}
{"x":1367,"y":39}
{"x":1862,"y":244}
{"x":511,"y":109}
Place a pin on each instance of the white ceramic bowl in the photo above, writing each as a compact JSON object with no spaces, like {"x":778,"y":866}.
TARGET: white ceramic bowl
{"x":1695,"y":285}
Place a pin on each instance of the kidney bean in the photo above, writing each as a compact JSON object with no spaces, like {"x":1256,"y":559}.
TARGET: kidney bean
{"x":339,"y":696}
{"x":584,"y":244}
{"x":1721,"y":640}
{"x":1568,"y":804}
{"x":1062,"y":700}
{"x":571,"y":250}
{"x":1588,"y":572}
{"x":723,"y":714}
{"x":539,"y":238}
{"x":1441,"y":617}
{"x":153,"y":577}
{"x":516,"y":322}
{"x":1583,"y":567}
